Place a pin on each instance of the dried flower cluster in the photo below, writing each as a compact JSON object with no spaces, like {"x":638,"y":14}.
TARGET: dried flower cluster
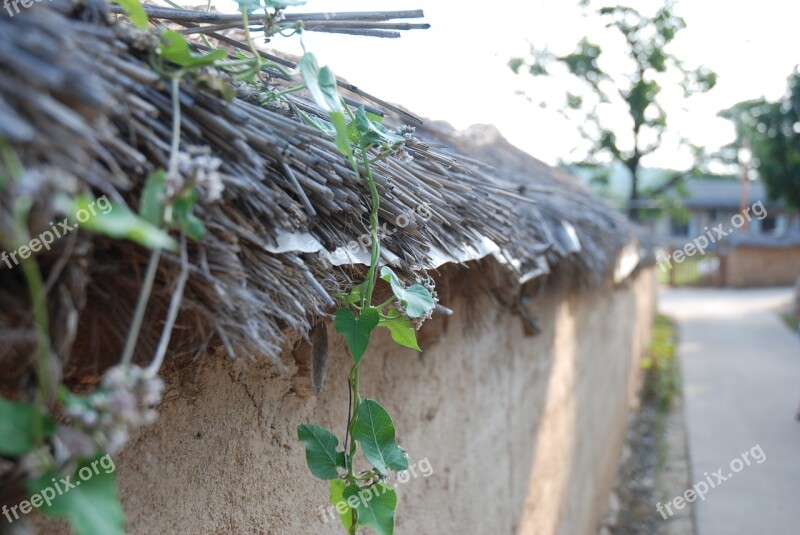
{"x":124,"y":402}
{"x":198,"y":167}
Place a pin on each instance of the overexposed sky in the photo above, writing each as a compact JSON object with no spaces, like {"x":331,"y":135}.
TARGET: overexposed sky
{"x":457,"y":70}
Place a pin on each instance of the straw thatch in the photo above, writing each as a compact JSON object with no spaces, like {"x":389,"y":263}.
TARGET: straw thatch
{"x":83,"y":111}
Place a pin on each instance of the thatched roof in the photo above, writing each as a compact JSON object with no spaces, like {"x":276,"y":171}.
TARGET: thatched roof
{"x":84,"y":111}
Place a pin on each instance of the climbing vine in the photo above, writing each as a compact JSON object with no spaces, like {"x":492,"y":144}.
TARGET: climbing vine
{"x":363,"y":497}
{"x":62,"y":434}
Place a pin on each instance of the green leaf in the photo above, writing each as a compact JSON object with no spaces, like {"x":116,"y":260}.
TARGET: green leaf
{"x":321,"y":455}
{"x":117,"y":222}
{"x":356,"y":128}
{"x":375,"y":507}
{"x":337,"y":497}
{"x":515,"y":63}
{"x":248,"y":5}
{"x":320,"y":124}
{"x":362,"y":121}
{"x":282,"y":4}
{"x":151,"y":202}
{"x":17,"y":435}
{"x":340,"y":124}
{"x":375,"y":118}
{"x":390,"y":276}
{"x":353,"y":135}
{"x":416,"y":299}
{"x":135,"y":12}
{"x":373,"y":131}
{"x":174,"y":48}
{"x":321,"y":83}
{"x":356,"y":330}
{"x":374,"y":429}
{"x":355,"y":295}
{"x":183,"y":211}
{"x":92,"y":506}
{"x":400,"y":329}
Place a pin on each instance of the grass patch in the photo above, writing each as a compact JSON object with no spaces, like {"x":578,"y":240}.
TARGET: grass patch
{"x":662,"y":378}
{"x":660,"y":363}
{"x":790,"y":320}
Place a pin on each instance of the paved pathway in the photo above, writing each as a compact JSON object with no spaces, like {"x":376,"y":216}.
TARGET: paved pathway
{"x":741,"y":375}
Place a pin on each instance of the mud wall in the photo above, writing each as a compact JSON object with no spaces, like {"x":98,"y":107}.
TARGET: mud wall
{"x":761,"y":266}
{"x":508,"y":433}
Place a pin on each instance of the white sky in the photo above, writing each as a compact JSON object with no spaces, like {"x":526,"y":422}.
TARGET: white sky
{"x":456,"y":71}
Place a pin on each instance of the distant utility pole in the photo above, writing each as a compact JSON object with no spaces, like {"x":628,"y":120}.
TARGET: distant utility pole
{"x":745,"y":156}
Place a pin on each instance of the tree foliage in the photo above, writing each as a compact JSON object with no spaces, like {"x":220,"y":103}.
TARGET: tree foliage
{"x":632,"y":95}
{"x":773,"y":131}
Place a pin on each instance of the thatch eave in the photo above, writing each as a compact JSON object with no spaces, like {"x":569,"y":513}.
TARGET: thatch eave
{"x":84,"y":112}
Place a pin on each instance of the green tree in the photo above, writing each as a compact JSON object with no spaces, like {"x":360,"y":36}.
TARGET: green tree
{"x":629,"y":98}
{"x":773,"y":132}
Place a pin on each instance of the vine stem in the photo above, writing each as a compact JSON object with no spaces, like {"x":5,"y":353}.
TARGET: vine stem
{"x":172,"y":314}
{"x":155,"y":255}
{"x":353,"y":379}
{"x":141,"y":307}
{"x":12,"y":170}
{"x":41,"y":322}
{"x":369,"y":475}
{"x":351,"y":477}
{"x":175,"y":145}
{"x":373,"y":222}
{"x":273,"y":96}
{"x":387,"y":302}
{"x":250,"y":43}
{"x":373,"y":218}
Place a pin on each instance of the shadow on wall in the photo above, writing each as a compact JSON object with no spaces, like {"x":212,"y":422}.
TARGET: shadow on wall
{"x":593,"y":383}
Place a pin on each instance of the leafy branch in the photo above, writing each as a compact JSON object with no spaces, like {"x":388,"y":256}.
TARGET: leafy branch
{"x":599,"y":92}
